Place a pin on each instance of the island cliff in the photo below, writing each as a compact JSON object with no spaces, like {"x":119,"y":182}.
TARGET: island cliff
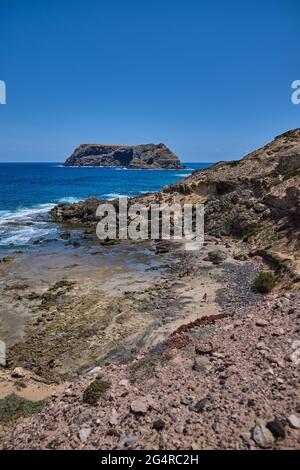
{"x":148,"y":156}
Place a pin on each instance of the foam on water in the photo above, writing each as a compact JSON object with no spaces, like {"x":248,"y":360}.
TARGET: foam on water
{"x":69,"y":200}
{"x":182,"y":175}
{"x":25,"y":225}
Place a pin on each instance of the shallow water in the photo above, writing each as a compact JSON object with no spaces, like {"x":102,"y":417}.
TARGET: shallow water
{"x":109,"y":270}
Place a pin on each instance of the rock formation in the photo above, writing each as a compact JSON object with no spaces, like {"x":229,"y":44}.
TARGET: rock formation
{"x":149,"y":156}
{"x":256,"y":199}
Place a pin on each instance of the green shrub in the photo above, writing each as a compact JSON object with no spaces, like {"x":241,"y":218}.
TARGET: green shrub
{"x":233,"y":163}
{"x":13,"y":407}
{"x":94,"y":391}
{"x":264,"y":282}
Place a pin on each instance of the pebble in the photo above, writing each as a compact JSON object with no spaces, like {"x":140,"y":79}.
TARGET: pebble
{"x":159,"y":425}
{"x":201,"y":364}
{"x":261,"y":322}
{"x":185,"y":401}
{"x":276,"y":360}
{"x":261,"y":346}
{"x":278,"y":332}
{"x":84,"y":416}
{"x":295,"y":344}
{"x":84,"y":434}
{"x":124,"y":383}
{"x":277,"y":428}
{"x":246,"y":436}
{"x":295,"y":357}
{"x":95,"y":370}
{"x":129,"y":441}
{"x":262,"y":436}
{"x":218,"y":355}
{"x":18,"y":373}
{"x":294,"y":421}
{"x":203,"y":347}
{"x":113,"y":420}
{"x":140,"y":405}
{"x":200,"y":405}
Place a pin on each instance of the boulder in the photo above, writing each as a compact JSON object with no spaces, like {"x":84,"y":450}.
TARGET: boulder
{"x":216,"y":256}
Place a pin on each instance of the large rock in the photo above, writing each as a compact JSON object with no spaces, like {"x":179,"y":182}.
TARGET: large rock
{"x":148,"y":156}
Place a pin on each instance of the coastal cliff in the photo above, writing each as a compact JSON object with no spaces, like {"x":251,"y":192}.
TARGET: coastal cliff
{"x":148,"y":156}
{"x":255,"y":199}
{"x":195,"y":357}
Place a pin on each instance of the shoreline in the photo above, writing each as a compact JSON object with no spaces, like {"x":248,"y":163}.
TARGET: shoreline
{"x":191,"y":362}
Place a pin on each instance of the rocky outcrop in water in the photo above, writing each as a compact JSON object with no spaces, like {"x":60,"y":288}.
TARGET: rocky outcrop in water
{"x":148,"y":156}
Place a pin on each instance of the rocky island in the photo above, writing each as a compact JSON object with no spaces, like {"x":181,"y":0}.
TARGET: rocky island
{"x":147,"y":156}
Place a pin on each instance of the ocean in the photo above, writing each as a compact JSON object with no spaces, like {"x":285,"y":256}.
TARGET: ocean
{"x":29,"y":190}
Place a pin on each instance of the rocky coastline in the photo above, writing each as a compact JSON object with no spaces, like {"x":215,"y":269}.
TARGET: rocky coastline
{"x":135,"y":157}
{"x":195,"y":359}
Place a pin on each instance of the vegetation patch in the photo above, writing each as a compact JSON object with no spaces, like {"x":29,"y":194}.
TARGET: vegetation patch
{"x":13,"y":407}
{"x":233,"y":163}
{"x":178,"y":341}
{"x":95,"y":391}
{"x":264,"y":282}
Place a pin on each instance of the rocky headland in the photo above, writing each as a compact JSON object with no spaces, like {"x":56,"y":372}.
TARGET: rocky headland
{"x":147,"y":156}
{"x":255,"y":199}
{"x":205,"y":357}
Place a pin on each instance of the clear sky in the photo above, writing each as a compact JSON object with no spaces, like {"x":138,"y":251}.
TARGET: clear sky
{"x":212,"y":80}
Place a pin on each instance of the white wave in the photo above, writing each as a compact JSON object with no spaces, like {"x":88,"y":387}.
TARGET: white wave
{"x":111,"y":196}
{"x":25,"y":235}
{"x":69,"y":200}
{"x":24,"y":213}
{"x":183,"y":175}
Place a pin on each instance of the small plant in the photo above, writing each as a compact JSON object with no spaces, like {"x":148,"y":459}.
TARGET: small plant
{"x":233,"y":163}
{"x":264,"y":283}
{"x":291,"y":174}
{"x":13,"y":407}
{"x":95,"y":391}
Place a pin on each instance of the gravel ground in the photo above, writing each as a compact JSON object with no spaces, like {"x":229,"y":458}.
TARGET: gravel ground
{"x":230,"y":384}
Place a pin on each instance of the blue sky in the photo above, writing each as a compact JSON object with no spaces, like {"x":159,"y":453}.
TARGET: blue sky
{"x":210,"y":79}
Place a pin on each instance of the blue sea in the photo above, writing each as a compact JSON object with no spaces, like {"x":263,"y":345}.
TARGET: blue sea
{"x":29,"y":190}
